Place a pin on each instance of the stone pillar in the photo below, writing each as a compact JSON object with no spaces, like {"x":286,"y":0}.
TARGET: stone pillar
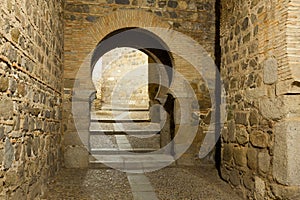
{"x":286,"y":152}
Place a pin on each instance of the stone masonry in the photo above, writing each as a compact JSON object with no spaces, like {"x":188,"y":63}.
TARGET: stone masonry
{"x":193,"y":18}
{"x":111,"y":85}
{"x":259,"y":145}
{"x":46,"y":50}
{"x":30,"y":95}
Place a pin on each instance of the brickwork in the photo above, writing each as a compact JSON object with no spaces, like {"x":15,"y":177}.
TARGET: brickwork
{"x":31,"y":54}
{"x":255,"y":64}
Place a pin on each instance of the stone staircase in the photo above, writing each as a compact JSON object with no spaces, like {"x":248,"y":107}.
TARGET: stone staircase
{"x":126,"y":140}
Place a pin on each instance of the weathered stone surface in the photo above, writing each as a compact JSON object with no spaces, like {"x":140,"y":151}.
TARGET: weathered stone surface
{"x":260,"y":188}
{"x":270,"y":71}
{"x":231,"y":131}
{"x":1,"y":132}
{"x":6,"y":108}
{"x":284,"y":192}
{"x":272,"y":109}
{"x":240,"y":157}
{"x":248,"y":181}
{"x":8,"y":154}
{"x":287,"y":160}
{"x":235,"y":178}
{"x":12,"y":85}
{"x":264,"y":161}
{"x":242,"y":136}
{"x":31,"y":63}
{"x":254,"y":118}
{"x":259,"y":139}
{"x":122,"y":2}
{"x":227,"y":152}
{"x":76,"y":157}
{"x":252,"y":158}
{"x":241,"y":118}
{"x":4,"y":81}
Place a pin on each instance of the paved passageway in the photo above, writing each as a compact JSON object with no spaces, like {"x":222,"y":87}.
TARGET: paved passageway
{"x":167,"y":184}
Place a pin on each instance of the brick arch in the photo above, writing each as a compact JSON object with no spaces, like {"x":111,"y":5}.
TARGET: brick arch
{"x":121,"y":19}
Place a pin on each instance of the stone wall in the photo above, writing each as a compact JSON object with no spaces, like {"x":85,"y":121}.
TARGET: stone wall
{"x":30,"y":95}
{"x":91,"y":21}
{"x":120,"y":77}
{"x":258,"y":152}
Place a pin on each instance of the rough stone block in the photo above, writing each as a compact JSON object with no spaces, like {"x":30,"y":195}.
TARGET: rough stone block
{"x":252,"y":158}
{"x":227,"y":152}
{"x":240,"y":157}
{"x":272,"y":109}
{"x":260,"y":188}
{"x":231,"y":131}
{"x":242,"y":136}
{"x":241,"y":118}
{"x":259,"y":139}
{"x":8,"y":154}
{"x":235,"y":177}
{"x":286,"y":152}
{"x":270,"y":71}
{"x":249,"y":181}
{"x":6,"y":108}
{"x":264,"y":160}
{"x":3,"y":84}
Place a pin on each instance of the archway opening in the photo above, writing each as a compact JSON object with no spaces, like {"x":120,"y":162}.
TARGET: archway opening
{"x":130,"y":72}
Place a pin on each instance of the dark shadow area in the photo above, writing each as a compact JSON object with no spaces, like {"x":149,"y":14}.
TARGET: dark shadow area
{"x":218,"y":84}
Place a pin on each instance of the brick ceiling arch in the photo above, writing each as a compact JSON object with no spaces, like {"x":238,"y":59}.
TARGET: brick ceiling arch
{"x":121,"y":19}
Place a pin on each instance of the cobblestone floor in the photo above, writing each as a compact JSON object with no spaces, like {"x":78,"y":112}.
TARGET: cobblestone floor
{"x":175,"y":183}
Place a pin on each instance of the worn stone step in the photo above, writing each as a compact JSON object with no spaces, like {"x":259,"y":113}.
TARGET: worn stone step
{"x":132,"y":141}
{"x":118,"y":151}
{"x":144,"y":134}
{"x":120,"y":116}
{"x":142,"y":127}
{"x":132,"y":162}
{"x":124,"y":108}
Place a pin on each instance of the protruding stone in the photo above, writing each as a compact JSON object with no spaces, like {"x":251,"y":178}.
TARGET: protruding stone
{"x":264,"y":160}
{"x":260,"y":188}
{"x":272,"y":109}
{"x":240,"y":157}
{"x":252,"y":158}
{"x":6,"y":108}
{"x":124,"y":2}
{"x":15,"y":34}
{"x":245,"y":24}
{"x":235,"y":178}
{"x":228,"y":152}
{"x":4,"y":82}
{"x":1,"y":132}
{"x":242,"y":136}
{"x":259,"y":139}
{"x":286,"y":160}
{"x":8,"y":154}
{"x":270,"y":71}
{"x":248,"y":181}
{"x":241,"y":118}
{"x":231,"y":131}
{"x":172,"y":4}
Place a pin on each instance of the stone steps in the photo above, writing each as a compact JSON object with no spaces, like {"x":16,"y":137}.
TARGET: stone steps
{"x":141,"y":128}
{"x":120,"y":116}
{"x":134,"y":162}
{"x":134,"y":137}
{"x":118,"y":151}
